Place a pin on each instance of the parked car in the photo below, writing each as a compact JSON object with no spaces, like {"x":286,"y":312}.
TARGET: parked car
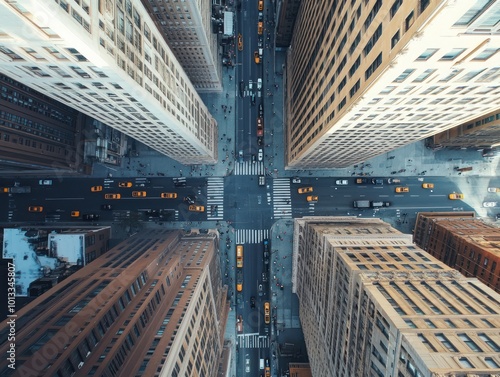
{"x":96,"y":188}
{"x":341,"y":182}
{"x":296,"y":180}
{"x":90,"y":216}
{"x":112,"y":196}
{"x":168,"y":195}
{"x":455,"y":195}
{"x":428,"y":185}
{"x":124,"y":184}
{"x":312,"y":198}
{"x":190,"y":199}
{"x":402,"y":189}
{"x":377,"y":181}
{"x":261,"y":110}
{"x":393,"y":181}
{"x":256,"y":57}
{"x":196,"y":208}
{"x":304,"y":190}
{"x":45,"y":182}
{"x":490,"y":204}
{"x":240,"y":42}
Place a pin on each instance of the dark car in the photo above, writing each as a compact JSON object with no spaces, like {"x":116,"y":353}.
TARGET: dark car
{"x":252,"y":302}
{"x":254,"y":159}
{"x":90,"y":216}
{"x":377,"y":181}
{"x":190,"y":199}
{"x":266,"y":251}
{"x":180,"y":182}
{"x":260,"y":140}
{"x":242,"y":88}
{"x":261,"y":110}
{"x":106,"y":207}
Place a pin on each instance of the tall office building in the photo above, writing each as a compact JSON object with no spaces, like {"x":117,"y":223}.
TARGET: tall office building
{"x":36,"y":132}
{"x":462,"y":242}
{"x":286,"y":16}
{"x":187,"y":29}
{"x":367,"y":76}
{"x":374,"y":304}
{"x":152,"y":306}
{"x":108,"y":60}
{"x":482,"y":132}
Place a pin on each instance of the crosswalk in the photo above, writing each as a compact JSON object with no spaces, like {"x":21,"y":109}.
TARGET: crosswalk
{"x":249,"y":168}
{"x":281,"y":198}
{"x":215,"y":197}
{"x":251,"y":235}
{"x":253,"y":341}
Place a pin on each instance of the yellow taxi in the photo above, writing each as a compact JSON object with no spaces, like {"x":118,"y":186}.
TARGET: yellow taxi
{"x":196,"y":208}
{"x":455,"y":195}
{"x":35,"y":209}
{"x":267,"y":312}
{"x":256,"y":57}
{"x":168,"y":195}
{"x":75,"y":213}
{"x":312,"y":198}
{"x":305,"y":190}
{"x":428,"y":185}
{"x":96,"y":188}
{"x":402,"y":189}
{"x":240,"y":42}
{"x":112,"y":196}
{"x":260,"y":28}
{"x":268,"y":372}
{"x":139,"y":194}
{"x":261,"y":5}
{"x":239,"y":256}
{"x":125,"y":184}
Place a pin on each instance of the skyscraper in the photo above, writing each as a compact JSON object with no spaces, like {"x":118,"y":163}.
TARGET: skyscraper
{"x":462,"y":242}
{"x":108,"y":60}
{"x":187,"y":28}
{"x":374,"y":304}
{"x":152,"y":306}
{"x":367,"y":76}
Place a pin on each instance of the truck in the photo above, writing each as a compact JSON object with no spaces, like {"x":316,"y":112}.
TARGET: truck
{"x":380,"y":204}
{"x":17,"y":189}
{"x":370,"y":204}
{"x":361,"y":204}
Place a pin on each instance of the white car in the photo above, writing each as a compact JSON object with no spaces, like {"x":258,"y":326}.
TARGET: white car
{"x":341,"y":182}
{"x":247,"y":365}
{"x":45,"y":182}
{"x":259,"y":84}
{"x":489,"y":204}
{"x":260,"y":156}
{"x":296,"y":180}
{"x":493,"y":189}
{"x":250,"y":85}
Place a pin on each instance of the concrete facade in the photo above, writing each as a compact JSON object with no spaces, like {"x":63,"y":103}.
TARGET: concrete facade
{"x":187,"y":29}
{"x":482,"y":132}
{"x":152,"y":306}
{"x":108,"y":60}
{"x":462,"y":242}
{"x":374,"y":304}
{"x":371,"y":76}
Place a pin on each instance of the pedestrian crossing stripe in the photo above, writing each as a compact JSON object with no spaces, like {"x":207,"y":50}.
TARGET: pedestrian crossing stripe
{"x":249,"y":168}
{"x":253,"y":341}
{"x":282,"y":208}
{"x":249,"y":236}
{"x":215,"y":197}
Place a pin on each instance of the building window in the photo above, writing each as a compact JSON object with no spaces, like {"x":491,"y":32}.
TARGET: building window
{"x":465,"y":362}
{"x":423,"y":76}
{"x":491,"y":363}
{"x":409,"y":21}
{"x":446,"y":343}
{"x":486,"y":54}
{"x":427,"y":54}
{"x":485,"y":338}
{"x":395,"y":6}
{"x":423,"y":5}
{"x":452,"y":54}
{"x":469,"y":342}
{"x":395,"y":39}
{"x":403,"y":76}
{"x":473,"y":12}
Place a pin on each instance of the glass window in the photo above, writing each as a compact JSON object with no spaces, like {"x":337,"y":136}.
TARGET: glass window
{"x":486,"y":54}
{"x":469,"y":342}
{"x":427,"y":53}
{"x":403,"y":76}
{"x":465,"y":362}
{"x":452,"y":54}
{"x":485,"y":338}
{"x":491,"y":363}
